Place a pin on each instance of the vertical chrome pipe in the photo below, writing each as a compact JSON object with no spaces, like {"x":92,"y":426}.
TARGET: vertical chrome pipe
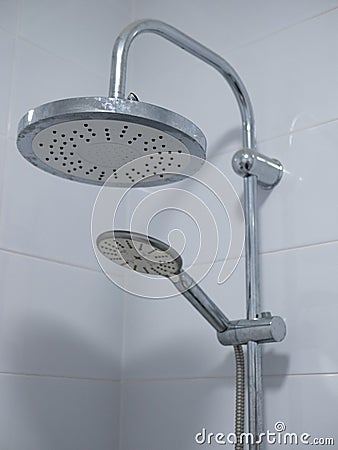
{"x":254,"y":355}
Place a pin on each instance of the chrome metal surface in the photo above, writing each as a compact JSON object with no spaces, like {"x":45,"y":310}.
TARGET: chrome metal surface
{"x":150,"y":256}
{"x":200,"y":301}
{"x":254,"y":351}
{"x":139,"y":252}
{"x":268,"y":171}
{"x":120,"y":58}
{"x":263,"y":330}
{"x":88,"y":139}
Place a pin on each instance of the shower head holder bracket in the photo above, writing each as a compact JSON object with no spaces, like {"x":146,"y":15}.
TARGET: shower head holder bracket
{"x":263,"y":329}
{"x":268,"y":171}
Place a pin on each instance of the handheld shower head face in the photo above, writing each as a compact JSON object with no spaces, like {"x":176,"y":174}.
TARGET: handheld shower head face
{"x":91,"y":138}
{"x":139,"y":252}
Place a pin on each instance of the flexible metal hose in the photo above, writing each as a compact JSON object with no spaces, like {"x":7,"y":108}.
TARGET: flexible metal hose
{"x":240,"y":396}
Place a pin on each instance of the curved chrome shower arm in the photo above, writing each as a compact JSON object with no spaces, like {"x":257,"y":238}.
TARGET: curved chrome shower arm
{"x":122,"y":44}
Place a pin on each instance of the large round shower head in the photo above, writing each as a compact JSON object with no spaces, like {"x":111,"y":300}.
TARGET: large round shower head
{"x":88,"y":139}
{"x":139,"y":252}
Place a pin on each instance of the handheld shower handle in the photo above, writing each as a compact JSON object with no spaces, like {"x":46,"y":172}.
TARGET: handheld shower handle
{"x":200,"y":301}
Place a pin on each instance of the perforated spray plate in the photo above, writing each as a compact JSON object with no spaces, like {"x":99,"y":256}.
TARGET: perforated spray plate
{"x":89,"y":139}
{"x":139,"y":252}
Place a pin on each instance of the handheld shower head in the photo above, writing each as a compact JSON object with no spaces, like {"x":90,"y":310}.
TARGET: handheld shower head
{"x":140,"y":253}
{"x":88,"y":139}
{"x":148,"y":255}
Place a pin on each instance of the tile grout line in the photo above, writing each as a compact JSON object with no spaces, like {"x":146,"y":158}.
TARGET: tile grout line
{"x":226,"y":377}
{"x":273,"y":252}
{"x":281,"y":30}
{"x":45,"y":259}
{"x":300,"y":247}
{"x":298,"y":130}
{"x":159,"y":379}
{"x":65,"y":377}
{"x":75,"y":266}
{"x":61,"y":57}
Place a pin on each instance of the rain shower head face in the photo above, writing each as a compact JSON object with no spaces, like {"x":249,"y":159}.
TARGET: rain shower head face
{"x":139,"y":252}
{"x":88,"y":139}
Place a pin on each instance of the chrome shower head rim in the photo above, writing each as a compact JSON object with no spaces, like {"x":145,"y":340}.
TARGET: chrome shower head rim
{"x":176,"y":128}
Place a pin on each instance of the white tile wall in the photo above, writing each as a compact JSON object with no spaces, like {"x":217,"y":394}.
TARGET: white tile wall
{"x":54,"y":413}
{"x":233,"y":22}
{"x":302,"y":210}
{"x":6,"y":54}
{"x":58,"y":320}
{"x":9,"y":15}
{"x":205,"y":216}
{"x":169,"y":339}
{"x":61,"y":319}
{"x":300,"y":285}
{"x":304,"y":403}
{"x":292,"y":76}
{"x":40,"y":77}
{"x":65,"y":325}
{"x":168,"y":414}
{"x":45,"y":215}
{"x":79,"y":31}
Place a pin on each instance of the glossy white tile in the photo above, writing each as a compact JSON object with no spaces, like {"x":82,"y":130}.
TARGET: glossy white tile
{"x":302,"y":209}
{"x":58,"y":320}
{"x":9,"y":15}
{"x":168,"y":414}
{"x":291,"y":76}
{"x":45,"y":215}
{"x":305,"y":404}
{"x":299,"y":285}
{"x":58,"y":414}
{"x":7,"y":42}
{"x":191,"y":405}
{"x":40,"y":77}
{"x":78,"y":31}
{"x":3,"y":147}
{"x":233,"y":22}
{"x":203,"y":222}
{"x":168,"y":338}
